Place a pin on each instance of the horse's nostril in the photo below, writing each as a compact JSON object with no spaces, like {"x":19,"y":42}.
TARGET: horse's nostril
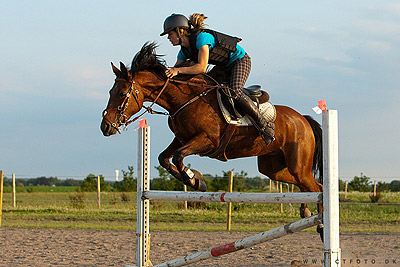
{"x":104,"y":127}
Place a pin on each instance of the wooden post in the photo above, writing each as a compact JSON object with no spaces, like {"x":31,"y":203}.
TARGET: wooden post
{"x":98,"y":191}
{"x":1,"y":194}
{"x":345,"y":190}
{"x":375,"y":188}
{"x":185,"y":202}
{"x":281,"y":191}
{"x":230,"y":187}
{"x":270,"y":185}
{"x":292,"y":188}
{"x":13,"y":191}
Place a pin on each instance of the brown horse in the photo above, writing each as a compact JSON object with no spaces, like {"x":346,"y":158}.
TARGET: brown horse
{"x":200,"y":128}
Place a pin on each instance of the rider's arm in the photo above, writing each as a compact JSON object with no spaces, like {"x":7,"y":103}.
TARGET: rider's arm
{"x":197,"y":68}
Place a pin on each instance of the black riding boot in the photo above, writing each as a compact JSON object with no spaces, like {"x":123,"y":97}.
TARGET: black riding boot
{"x":266,"y":129}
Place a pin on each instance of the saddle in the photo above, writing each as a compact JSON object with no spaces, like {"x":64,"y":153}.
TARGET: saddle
{"x":235,"y":116}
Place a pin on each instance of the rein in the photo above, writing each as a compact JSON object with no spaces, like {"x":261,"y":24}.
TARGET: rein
{"x":121,"y":108}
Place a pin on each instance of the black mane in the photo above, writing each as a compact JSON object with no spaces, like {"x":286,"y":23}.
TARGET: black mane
{"x":147,"y":59}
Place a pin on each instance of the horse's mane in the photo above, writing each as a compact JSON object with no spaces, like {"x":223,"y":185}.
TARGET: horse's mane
{"x":147,"y":59}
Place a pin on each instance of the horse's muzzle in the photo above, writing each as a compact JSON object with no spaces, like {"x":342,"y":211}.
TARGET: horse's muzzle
{"x":106,"y":128}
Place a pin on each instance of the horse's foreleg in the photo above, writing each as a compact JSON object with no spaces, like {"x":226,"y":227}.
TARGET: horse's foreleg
{"x":166,"y":155}
{"x":197,"y":145}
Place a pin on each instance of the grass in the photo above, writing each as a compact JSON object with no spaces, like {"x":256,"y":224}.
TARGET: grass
{"x":57,"y":210}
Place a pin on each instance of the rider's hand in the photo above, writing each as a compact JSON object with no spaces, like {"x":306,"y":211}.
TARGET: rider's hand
{"x":172,"y":72}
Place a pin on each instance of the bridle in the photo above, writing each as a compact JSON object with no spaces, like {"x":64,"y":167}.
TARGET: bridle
{"x":120,"y":110}
{"x":122,"y":118}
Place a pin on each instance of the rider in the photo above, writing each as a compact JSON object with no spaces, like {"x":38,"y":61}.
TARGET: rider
{"x":203,"y":47}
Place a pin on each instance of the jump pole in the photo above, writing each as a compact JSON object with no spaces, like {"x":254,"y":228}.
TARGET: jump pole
{"x":332,"y":252}
{"x":245,"y":242}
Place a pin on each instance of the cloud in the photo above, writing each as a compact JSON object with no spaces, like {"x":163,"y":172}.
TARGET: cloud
{"x":391,"y":9}
{"x":379,"y":28}
{"x":379,"y":45}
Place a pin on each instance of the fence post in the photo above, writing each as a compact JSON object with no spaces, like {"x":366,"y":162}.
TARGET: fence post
{"x":1,"y":194}
{"x":14,"y":197}
{"x":375,"y":188}
{"x":345,"y":190}
{"x":281,"y":191}
{"x":98,"y":191}
{"x":330,"y":188}
{"x":228,"y":224}
{"x":143,"y":184}
{"x":185,"y":202}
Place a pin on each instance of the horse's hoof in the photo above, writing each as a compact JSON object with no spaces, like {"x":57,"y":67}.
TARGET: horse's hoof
{"x":200,"y":184}
{"x":305,"y":212}
{"x":320,"y":230}
{"x":194,"y":179}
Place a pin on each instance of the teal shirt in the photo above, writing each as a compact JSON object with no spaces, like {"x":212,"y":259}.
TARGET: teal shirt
{"x":205,"y":38}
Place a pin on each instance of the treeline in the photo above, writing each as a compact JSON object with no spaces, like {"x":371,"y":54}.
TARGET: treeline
{"x":363,"y":183}
{"x":167,"y":182}
{"x":215,"y":183}
{"x":45,"y":181}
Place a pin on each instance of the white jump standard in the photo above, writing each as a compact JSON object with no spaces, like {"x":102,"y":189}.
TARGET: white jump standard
{"x":330,"y":200}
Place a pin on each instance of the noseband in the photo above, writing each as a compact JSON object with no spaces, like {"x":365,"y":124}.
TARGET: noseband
{"x":122,"y":118}
{"x":120,"y":110}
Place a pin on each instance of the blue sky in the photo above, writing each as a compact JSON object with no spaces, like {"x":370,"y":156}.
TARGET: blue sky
{"x":55,"y":75}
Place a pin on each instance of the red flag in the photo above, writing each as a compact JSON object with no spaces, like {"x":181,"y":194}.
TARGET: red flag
{"x":143,"y":123}
{"x":322,"y":104}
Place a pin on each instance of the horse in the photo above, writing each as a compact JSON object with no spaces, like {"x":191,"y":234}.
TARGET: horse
{"x":199,"y":126}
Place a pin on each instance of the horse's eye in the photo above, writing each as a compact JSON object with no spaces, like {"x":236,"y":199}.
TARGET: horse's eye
{"x":122,"y":94}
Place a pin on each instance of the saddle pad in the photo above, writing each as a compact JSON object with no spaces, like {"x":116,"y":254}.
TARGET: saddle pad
{"x":267,"y":109}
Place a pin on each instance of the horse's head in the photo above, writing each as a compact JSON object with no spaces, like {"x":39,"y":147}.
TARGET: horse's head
{"x":125,"y":100}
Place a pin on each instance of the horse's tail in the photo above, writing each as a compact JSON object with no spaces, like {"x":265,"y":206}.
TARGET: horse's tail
{"x":317,"y":159}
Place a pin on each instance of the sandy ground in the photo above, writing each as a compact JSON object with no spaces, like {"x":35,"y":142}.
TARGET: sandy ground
{"x":69,"y":247}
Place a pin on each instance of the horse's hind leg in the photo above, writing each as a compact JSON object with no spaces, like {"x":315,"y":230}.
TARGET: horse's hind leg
{"x":274,"y":166}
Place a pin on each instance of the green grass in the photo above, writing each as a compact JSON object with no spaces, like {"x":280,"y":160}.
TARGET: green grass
{"x":40,"y":188}
{"x":57,"y":210}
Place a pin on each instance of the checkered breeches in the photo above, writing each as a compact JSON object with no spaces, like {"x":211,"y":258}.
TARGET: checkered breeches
{"x":240,"y":72}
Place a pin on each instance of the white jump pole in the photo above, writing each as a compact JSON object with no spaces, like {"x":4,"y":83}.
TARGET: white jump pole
{"x":235,"y":197}
{"x":142,"y":228}
{"x":245,"y":242}
{"x":332,"y":253}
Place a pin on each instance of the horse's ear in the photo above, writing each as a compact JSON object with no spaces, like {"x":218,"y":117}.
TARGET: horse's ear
{"x":116,"y":71}
{"x":123,"y":68}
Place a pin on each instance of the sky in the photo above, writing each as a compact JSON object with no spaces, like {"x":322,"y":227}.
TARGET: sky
{"x":55,"y":75}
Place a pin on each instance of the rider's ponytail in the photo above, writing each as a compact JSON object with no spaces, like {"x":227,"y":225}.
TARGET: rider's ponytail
{"x":197,"y":21}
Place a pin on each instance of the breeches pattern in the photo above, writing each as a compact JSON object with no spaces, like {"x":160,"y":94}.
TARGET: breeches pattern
{"x":240,"y":72}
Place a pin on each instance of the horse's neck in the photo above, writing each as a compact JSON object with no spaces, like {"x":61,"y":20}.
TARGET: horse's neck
{"x":172,"y":97}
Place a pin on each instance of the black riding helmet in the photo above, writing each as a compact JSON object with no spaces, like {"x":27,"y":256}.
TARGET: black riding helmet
{"x":174,"y":21}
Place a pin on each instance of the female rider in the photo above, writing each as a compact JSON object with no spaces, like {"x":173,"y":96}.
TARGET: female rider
{"x":199,"y":45}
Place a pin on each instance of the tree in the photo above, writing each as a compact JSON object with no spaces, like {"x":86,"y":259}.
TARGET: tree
{"x":342,"y":185}
{"x":90,"y":184}
{"x":165,"y":181}
{"x":394,"y":186}
{"x":128,"y":183}
{"x":360,"y":183}
{"x":382,"y":186}
{"x":239,"y":181}
{"x":256,"y":183}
